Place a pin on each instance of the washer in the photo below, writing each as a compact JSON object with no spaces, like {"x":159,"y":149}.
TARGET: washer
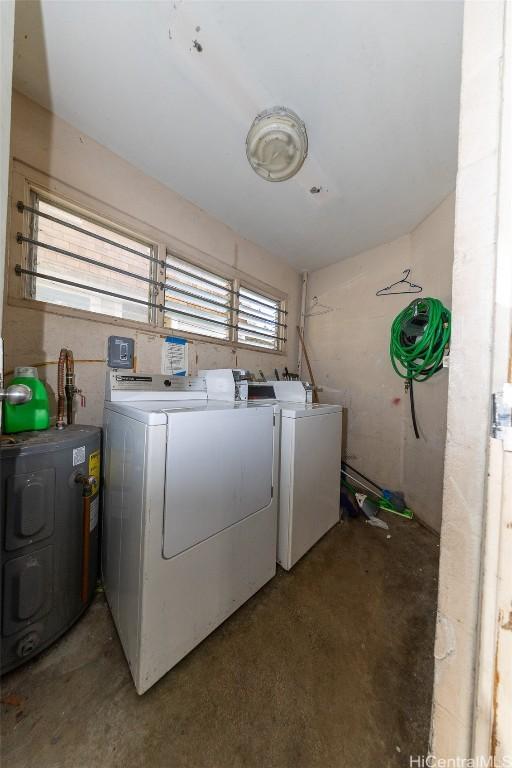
{"x":190,"y":513}
{"x":310,"y":456}
{"x":309,"y":501}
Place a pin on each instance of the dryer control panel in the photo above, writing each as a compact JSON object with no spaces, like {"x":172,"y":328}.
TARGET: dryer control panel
{"x":153,"y":386}
{"x":284,"y":391}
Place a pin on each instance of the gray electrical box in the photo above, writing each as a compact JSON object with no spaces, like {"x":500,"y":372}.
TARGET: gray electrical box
{"x":120,"y":352}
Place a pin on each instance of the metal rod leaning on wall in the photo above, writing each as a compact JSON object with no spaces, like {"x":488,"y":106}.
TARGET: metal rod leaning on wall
{"x":313,"y":384}
{"x":302,"y":318}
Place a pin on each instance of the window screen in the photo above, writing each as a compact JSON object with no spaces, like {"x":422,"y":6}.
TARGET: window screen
{"x":197,"y":300}
{"x":77,"y":260}
{"x":259,"y":320}
{"x":73,"y":249}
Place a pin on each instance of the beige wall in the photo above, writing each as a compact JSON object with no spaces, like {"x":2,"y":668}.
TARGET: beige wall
{"x":95,"y":177}
{"x":6,"y":47}
{"x":348,"y":347}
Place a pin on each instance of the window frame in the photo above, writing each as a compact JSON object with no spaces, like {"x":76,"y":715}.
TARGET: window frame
{"x":152,"y":273}
{"x":26,"y":180}
{"x":236,"y":283}
{"x":282,"y":332}
{"x":231,"y":338}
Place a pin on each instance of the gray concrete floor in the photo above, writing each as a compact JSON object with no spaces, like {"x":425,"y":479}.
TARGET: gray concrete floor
{"x":329,"y":665}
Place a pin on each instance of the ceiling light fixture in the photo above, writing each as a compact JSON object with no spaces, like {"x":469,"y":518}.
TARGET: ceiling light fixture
{"x":277,"y":144}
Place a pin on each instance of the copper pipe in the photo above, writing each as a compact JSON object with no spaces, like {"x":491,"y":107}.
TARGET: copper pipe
{"x":60,"y":389}
{"x":86,"y":541}
{"x":70,"y":385}
{"x":65,"y":387}
{"x":89,"y":485}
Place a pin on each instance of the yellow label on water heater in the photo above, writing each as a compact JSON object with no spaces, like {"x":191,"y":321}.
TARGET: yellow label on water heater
{"x":94,"y":467}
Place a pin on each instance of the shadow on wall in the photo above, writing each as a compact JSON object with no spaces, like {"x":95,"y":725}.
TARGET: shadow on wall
{"x":62,"y":157}
{"x":349,"y":352}
{"x":28,"y":41}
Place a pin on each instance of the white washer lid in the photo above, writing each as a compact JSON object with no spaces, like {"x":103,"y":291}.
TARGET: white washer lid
{"x":155,"y":411}
{"x":301,"y":410}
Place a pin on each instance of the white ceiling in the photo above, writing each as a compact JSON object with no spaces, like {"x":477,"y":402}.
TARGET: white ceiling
{"x":377,"y":84}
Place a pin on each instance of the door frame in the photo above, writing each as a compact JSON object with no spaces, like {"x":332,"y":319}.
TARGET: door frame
{"x":472,"y":697}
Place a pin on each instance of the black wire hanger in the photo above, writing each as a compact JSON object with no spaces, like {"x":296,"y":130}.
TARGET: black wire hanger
{"x":411,"y":287}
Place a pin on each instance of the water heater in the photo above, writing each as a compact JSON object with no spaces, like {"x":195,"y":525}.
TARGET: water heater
{"x":49,"y":486}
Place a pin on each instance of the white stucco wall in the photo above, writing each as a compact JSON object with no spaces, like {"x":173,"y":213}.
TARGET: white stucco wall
{"x":349,"y":353}
{"x":475,"y":311}
{"x":55,"y":148}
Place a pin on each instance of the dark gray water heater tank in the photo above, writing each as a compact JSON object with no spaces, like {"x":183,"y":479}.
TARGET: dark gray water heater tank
{"x":49,"y":536}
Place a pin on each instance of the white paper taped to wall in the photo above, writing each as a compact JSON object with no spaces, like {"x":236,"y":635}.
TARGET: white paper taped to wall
{"x":175,"y":356}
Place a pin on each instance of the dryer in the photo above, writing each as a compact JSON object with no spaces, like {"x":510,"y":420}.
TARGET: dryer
{"x":309,"y":485}
{"x":310,"y":456}
{"x":190,"y":513}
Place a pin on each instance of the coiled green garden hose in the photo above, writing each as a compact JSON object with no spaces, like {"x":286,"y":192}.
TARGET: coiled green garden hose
{"x":419,"y":336}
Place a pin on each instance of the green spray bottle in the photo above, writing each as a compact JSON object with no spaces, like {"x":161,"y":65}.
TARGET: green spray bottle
{"x":33,"y":415}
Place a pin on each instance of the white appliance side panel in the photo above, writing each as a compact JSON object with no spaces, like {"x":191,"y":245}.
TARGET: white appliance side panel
{"x":310,"y":483}
{"x":276,"y":469}
{"x":286,"y":473}
{"x":113,"y":468}
{"x":123,"y":514}
{"x":109,"y":551}
{"x":218,"y":471}
{"x":187,"y":597}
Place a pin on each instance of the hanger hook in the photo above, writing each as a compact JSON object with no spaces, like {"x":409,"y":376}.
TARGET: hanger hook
{"x":412,"y":286}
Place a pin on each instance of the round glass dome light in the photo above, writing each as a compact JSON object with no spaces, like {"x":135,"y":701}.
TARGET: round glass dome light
{"x":277,"y":144}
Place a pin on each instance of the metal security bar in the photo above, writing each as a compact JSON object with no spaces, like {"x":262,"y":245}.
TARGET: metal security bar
{"x":263,"y":320}
{"x":205,"y":320}
{"x":212,"y":283}
{"x":23,"y":239}
{"x":208,"y":296}
{"x":22,"y":207}
{"x":20,"y":238}
{"x":22,"y":271}
{"x":232,"y":308}
{"x":258,"y":315}
{"x":63,"y":243}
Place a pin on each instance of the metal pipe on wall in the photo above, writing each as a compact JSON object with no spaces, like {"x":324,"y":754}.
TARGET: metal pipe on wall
{"x":66,"y":388}
{"x":302,"y":319}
